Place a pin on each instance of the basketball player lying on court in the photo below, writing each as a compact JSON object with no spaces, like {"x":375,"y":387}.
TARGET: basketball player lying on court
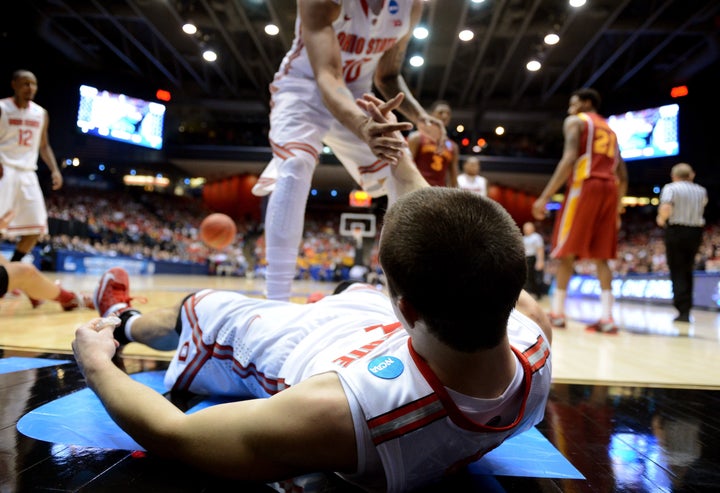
{"x":389,"y":393}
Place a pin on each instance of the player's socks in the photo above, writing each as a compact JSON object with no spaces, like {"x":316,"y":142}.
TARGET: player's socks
{"x":121,"y":333}
{"x":70,"y":300}
{"x":280,"y":272}
{"x":17,"y":256}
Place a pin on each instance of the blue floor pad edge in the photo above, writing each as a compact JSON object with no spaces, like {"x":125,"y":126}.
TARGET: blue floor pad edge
{"x":79,"y":419}
{"x":16,"y":363}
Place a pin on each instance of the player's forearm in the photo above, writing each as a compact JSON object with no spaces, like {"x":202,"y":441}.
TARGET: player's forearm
{"x":147,"y":416}
{"x":48,"y":157}
{"x":558,"y":179}
{"x":405,"y":179}
{"x":339,"y":101}
{"x":390,"y":86}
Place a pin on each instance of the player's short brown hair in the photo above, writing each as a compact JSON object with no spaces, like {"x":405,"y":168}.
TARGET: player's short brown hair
{"x":458,"y":259}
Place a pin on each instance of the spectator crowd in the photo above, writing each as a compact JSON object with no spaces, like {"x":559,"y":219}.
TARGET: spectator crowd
{"x":162,"y":226}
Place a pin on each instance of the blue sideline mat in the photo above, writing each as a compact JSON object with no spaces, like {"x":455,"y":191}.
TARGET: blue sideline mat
{"x":80,"y":419}
{"x":16,"y":363}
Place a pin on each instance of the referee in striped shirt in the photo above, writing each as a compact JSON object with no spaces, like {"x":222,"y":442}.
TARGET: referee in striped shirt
{"x":682,"y":204}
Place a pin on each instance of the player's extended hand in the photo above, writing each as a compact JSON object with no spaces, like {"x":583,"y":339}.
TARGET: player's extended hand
{"x":381,"y":130}
{"x":380,"y":111}
{"x":94,"y":343}
{"x":538,"y":209}
{"x":57,"y":180}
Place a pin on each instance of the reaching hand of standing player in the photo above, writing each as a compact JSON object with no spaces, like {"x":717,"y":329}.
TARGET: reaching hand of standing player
{"x":383,"y":134}
{"x":405,"y":175}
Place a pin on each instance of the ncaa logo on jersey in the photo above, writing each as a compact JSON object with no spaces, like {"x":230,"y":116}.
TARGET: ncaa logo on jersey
{"x":387,"y":367}
{"x":393,"y":7}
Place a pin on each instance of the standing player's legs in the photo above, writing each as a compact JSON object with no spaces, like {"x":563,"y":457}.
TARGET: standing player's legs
{"x":565,"y":270}
{"x":603,"y":247}
{"x":563,"y":249}
{"x":284,"y":222}
{"x":20,"y":192}
{"x":298,"y":123}
{"x":30,"y":219}
{"x":586,"y":229}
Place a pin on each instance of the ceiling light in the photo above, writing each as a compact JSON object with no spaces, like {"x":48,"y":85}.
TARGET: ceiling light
{"x":466,"y":35}
{"x":272,"y":29}
{"x":551,"y":39}
{"x":576,"y":3}
{"x":417,"y":61}
{"x":533,"y":65}
{"x":209,"y":55}
{"x":460,"y":128}
{"x":189,"y":28}
{"x":499,"y":130}
{"x":420,"y":32}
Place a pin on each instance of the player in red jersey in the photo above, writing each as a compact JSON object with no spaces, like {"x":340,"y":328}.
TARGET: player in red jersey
{"x":587,"y":224}
{"x":437,"y":163}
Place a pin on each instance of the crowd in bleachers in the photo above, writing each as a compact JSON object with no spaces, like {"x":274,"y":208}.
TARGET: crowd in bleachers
{"x":143,"y":225}
{"x":165,"y":227}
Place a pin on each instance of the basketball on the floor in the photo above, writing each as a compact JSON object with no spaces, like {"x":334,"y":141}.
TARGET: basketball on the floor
{"x":217,"y":230}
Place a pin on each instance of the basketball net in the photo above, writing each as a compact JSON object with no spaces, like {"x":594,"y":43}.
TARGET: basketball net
{"x":357,"y":234}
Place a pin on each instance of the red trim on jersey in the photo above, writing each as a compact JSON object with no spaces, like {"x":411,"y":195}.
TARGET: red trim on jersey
{"x":296,"y":53}
{"x":217,"y":351}
{"x":287,"y":151}
{"x":31,"y":227}
{"x":454,"y":413}
{"x":372,"y":168}
{"x":364,"y":5}
{"x":270,"y":385}
{"x":203,"y":351}
{"x":406,"y":419}
{"x":537,"y":354}
{"x":366,"y":8}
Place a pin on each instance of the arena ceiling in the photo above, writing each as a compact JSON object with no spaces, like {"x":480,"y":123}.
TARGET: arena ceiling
{"x":633,"y":51}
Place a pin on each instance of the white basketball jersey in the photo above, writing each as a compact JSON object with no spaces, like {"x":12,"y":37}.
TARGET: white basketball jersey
{"x":409,"y":429}
{"x":363,"y":38}
{"x":20,"y":134}
{"x":477,"y":184}
{"x":419,"y":431}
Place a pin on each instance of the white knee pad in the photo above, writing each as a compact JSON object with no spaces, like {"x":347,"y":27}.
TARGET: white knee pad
{"x":284,"y":222}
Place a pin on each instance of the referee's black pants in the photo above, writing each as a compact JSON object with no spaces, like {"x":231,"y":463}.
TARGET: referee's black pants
{"x":533,"y":282}
{"x":681,"y":245}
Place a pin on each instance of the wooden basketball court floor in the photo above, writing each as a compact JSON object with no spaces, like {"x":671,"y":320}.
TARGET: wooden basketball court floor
{"x":638,"y":411}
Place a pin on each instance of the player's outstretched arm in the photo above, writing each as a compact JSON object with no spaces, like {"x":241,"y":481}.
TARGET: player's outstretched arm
{"x":389,"y":81}
{"x":305,"y":428}
{"x":405,"y":175}
{"x":572,"y":127}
